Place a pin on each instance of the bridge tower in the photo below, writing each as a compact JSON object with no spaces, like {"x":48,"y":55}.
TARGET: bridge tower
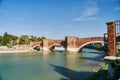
{"x":111,"y":27}
{"x":71,"y":43}
{"x":46,"y":44}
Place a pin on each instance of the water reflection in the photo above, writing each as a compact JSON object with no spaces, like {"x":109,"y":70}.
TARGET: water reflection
{"x":73,"y":61}
{"x":45,"y":55}
{"x":92,"y":54}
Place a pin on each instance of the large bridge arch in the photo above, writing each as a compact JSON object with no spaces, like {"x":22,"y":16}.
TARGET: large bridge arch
{"x":37,"y":47}
{"x":70,"y":43}
{"x":81,"y":46}
{"x":57,"y":45}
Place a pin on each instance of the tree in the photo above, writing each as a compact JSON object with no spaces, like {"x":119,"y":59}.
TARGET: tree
{"x":12,"y":39}
{"x":24,"y":39}
{"x":40,"y":38}
{"x":33,"y":38}
{"x":5,"y":39}
{"x":98,"y":45}
{"x":8,"y":39}
{"x":0,"y":39}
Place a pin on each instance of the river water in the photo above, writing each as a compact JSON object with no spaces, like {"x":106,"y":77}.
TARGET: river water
{"x":50,"y":66}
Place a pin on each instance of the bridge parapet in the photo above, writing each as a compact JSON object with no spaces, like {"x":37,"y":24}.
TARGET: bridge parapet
{"x":52,"y":42}
{"x":33,"y":44}
{"x":49,"y":42}
{"x":71,"y":43}
{"x":82,"y":41}
{"x":91,"y":38}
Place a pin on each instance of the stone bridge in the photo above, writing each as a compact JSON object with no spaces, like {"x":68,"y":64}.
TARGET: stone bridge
{"x":70,"y":43}
{"x":34,"y":45}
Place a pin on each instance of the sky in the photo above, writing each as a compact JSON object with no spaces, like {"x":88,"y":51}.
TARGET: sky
{"x":56,"y":19}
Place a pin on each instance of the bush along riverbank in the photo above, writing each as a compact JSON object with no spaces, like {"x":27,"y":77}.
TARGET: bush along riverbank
{"x":102,"y":74}
{"x":114,"y":66}
{"x":110,"y":71}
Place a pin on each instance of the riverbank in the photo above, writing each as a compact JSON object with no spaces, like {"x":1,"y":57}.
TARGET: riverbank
{"x":15,"y":51}
{"x":102,"y":74}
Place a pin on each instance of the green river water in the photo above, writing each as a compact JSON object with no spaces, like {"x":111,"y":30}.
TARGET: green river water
{"x":50,"y":65}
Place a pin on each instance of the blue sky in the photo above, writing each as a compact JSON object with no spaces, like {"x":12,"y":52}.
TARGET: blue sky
{"x":57,"y":18}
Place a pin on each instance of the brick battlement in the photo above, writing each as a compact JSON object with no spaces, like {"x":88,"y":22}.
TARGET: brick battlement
{"x":71,"y":43}
{"x":91,"y":38}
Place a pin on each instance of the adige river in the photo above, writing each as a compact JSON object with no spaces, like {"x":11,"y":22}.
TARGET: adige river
{"x":50,"y":65}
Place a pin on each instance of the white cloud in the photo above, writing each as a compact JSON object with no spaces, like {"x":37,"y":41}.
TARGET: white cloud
{"x":89,"y":11}
{"x":19,"y":19}
{"x":88,"y":14}
{"x":66,"y":26}
{"x":85,"y":19}
{"x":116,"y":9}
{"x":4,"y":12}
{"x":47,"y":32}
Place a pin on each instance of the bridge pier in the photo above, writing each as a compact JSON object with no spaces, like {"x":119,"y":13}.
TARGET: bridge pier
{"x":46,"y":44}
{"x":72,"y":49}
{"x":71,"y":43}
{"x":46,"y":49}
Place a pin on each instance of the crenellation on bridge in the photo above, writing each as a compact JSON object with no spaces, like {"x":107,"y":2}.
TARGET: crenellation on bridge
{"x":91,"y":38}
{"x":70,"y":43}
{"x":34,"y":44}
{"x":47,"y":43}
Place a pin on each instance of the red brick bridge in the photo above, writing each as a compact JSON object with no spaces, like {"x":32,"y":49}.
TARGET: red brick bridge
{"x":70,"y":43}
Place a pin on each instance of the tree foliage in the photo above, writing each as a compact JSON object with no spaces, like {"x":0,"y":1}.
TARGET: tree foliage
{"x":40,"y":38}
{"x":33,"y":38}
{"x":24,"y":39}
{"x":10,"y":40}
{"x":0,"y":39}
{"x":5,"y":39}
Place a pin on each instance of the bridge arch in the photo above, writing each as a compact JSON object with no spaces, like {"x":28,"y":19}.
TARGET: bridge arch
{"x":51,"y":46}
{"x":37,"y":47}
{"x":102,"y":42}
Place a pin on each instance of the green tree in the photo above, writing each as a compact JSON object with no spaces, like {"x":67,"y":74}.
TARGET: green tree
{"x":24,"y":39}
{"x":12,"y":39}
{"x":8,"y":39}
{"x":5,"y":39}
{"x":40,"y":38}
{"x":98,"y":45}
{"x":33,"y":38}
{"x":0,"y":39}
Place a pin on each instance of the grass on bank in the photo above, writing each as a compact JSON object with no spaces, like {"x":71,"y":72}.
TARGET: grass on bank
{"x":102,"y":74}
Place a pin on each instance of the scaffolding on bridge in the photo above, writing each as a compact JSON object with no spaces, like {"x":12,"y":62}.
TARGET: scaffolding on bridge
{"x":117,"y":23}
